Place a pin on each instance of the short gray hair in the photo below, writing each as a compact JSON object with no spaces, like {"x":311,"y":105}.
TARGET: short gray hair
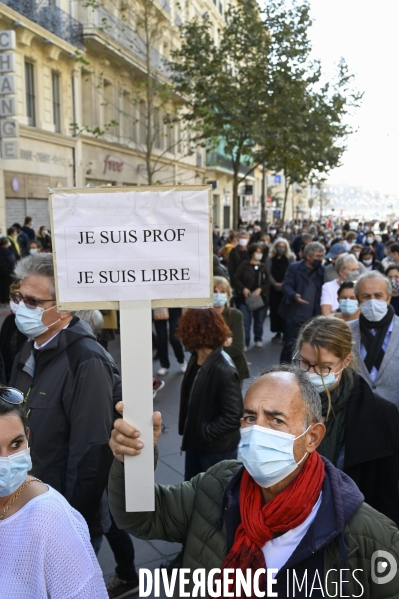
{"x":373,"y":274}
{"x":309,"y":394}
{"x":40,"y":264}
{"x":313,"y":247}
{"x":94,"y":319}
{"x":343,"y":260}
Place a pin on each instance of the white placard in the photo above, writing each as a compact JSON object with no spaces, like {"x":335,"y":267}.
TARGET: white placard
{"x":133,"y":245}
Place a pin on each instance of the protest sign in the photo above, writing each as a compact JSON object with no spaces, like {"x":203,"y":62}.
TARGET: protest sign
{"x":133,"y":249}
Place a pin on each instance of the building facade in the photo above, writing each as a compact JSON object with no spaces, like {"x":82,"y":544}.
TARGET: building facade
{"x":79,"y":102}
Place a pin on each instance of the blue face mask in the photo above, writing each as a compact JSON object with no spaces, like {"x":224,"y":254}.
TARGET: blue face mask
{"x":268,"y":455}
{"x":374,"y":310}
{"x":348,"y":306}
{"x":323,"y":383}
{"x":13,"y":471}
{"x":29,"y":320}
{"x":219,"y":299}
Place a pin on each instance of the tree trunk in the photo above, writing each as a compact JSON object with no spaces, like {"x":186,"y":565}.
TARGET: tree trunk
{"x":263,"y":199}
{"x":236,"y":200}
{"x":286,"y":189}
{"x":149,"y":97}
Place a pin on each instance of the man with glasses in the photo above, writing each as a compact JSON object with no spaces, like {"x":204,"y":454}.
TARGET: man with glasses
{"x":67,"y":380}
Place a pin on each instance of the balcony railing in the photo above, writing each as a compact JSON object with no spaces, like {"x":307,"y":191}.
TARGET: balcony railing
{"x":99,"y":18}
{"x":52,"y":18}
{"x":216,"y":159}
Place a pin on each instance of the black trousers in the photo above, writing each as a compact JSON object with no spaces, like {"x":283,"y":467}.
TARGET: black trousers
{"x":291,"y":331}
{"x":161,"y":328}
{"x":123,"y":550}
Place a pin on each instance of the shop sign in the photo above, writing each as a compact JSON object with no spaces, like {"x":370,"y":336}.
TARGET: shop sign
{"x":8,"y":125}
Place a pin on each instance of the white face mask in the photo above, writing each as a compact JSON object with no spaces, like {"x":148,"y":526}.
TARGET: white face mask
{"x":242,"y":241}
{"x":258,"y":256}
{"x":268,"y":455}
{"x":374,"y":310}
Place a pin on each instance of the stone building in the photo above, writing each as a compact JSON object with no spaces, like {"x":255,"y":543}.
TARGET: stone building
{"x":80,"y":71}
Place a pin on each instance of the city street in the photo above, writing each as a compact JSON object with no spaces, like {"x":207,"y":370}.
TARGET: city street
{"x":170,"y":469}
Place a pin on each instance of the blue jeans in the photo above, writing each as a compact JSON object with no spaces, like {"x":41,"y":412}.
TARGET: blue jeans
{"x":200,"y":461}
{"x":258,"y":317}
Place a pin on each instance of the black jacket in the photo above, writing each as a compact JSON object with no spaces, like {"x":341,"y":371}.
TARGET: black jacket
{"x":236,"y":257}
{"x":372,"y":448}
{"x":7,"y":262}
{"x":23,"y":241}
{"x":69,"y":392}
{"x":11,"y":341}
{"x":246,"y":277}
{"x":209,"y":417}
{"x":296,"y":280}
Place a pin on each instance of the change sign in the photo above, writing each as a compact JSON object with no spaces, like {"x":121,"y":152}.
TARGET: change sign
{"x":133,"y":249}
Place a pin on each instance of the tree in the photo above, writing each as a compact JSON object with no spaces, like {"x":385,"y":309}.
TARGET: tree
{"x":140,"y":26}
{"x":315,"y":139}
{"x":224,"y":84}
{"x":258,"y":92}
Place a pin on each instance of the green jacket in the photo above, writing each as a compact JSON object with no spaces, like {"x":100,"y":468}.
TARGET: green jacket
{"x":234,"y":320}
{"x":190,"y":513}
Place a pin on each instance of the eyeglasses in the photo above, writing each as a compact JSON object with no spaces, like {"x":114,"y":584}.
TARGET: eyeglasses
{"x":11,"y":395}
{"x":304,"y":364}
{"x":32,"y":302}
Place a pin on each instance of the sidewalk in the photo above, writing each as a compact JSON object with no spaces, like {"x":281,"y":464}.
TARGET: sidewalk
{"x":170,"y":468}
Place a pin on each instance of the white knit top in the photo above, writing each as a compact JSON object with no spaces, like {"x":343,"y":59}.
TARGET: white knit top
{"x":46,"y":553}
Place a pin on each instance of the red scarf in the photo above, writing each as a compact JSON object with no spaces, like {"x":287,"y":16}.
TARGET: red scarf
{"x":260,"y":521}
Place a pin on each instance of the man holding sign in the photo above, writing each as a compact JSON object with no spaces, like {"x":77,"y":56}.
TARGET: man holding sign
{"x":67,"y":380}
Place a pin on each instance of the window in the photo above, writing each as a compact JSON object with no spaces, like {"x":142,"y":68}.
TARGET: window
{"x":143,"y":122}
{"x":179,"y":137}
{"x":89,"y":101}
{"x":55,"y":82}
{"x":128,"y":117}
{"x":171,"y":137}
{"x":30,"y":94}
{"x":157,"y":129}
{"x":74,"y":128}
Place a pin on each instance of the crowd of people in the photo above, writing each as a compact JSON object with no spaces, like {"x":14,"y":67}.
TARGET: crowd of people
{"x":301,"y":474}
{"x":19,"y":242}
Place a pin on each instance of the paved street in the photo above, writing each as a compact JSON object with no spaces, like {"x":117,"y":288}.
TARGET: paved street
{"x":150,"y":554}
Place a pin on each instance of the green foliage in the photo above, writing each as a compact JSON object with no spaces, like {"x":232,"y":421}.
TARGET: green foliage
{"x":258,"y":93}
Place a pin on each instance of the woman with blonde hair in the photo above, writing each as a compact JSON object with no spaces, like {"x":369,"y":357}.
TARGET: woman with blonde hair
{"x":362,"y":430}
{"x":233,"y":318}
{"x":277,"y":262}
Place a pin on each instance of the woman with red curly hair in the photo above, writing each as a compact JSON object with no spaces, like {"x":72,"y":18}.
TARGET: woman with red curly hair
{"x":210,"y":399}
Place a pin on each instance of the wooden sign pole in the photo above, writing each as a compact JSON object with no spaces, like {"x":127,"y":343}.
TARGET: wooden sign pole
{"x":136,"y":356}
